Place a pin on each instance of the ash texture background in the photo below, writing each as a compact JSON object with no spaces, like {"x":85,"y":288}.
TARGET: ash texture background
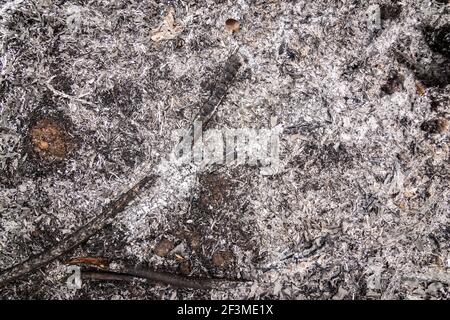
{"x":90,"y":92}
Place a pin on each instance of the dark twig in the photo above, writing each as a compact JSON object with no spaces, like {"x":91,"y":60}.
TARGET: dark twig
{"x":157,"y":277}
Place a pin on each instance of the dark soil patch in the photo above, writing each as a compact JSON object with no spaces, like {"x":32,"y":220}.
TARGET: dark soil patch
{"x":49,"y":141}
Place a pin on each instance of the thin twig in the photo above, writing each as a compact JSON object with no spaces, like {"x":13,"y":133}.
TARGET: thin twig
{"x":78,"y":237}
{"x":67,"y":96}
{"x":105,"y":276}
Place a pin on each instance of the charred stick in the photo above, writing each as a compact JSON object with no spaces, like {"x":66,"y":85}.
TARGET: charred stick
{"x":111,"y":210}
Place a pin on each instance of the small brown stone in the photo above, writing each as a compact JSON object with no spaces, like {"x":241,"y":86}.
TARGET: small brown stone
{"x":163,"y":247}
{"x":222,"y":258}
